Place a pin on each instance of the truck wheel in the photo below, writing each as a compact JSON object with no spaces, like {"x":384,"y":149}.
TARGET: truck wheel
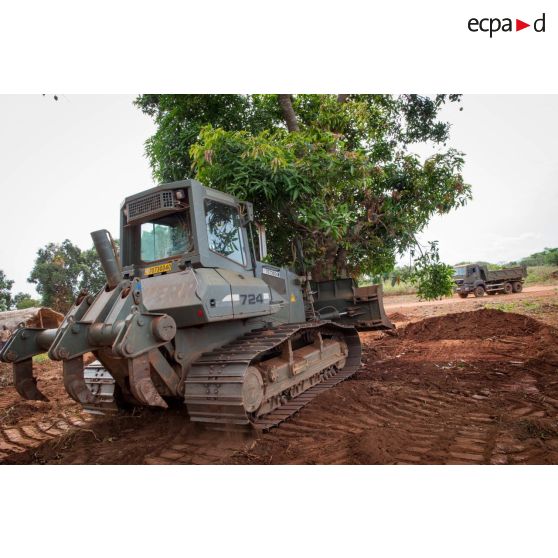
{"x":508,"y":288}
{"x":517,"y":287}
{"x":463,"y":295}
{"x":479,"y":291}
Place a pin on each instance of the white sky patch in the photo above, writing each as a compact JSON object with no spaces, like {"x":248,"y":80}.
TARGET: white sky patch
{"x":66,"y":166}
{"x":64,"y":170}
{"x":510,"y":144}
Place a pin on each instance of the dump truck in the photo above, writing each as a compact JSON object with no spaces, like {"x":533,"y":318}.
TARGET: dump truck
{"x":476,"y":278}
{"x":190,"y":313}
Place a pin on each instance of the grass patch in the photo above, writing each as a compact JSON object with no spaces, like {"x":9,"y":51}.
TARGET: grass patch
{"x":401,"y":289}
{"x":391,"y":290}
{"x":524,"y":306}
{"x":43,"y":357}
{"x":503,"y":306}
{"x":542,"y":275}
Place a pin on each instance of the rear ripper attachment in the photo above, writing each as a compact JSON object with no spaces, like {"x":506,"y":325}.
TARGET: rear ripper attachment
{"x":116,"y":326}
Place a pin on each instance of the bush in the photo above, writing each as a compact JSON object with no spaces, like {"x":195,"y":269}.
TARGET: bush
{"x":542,"y":274}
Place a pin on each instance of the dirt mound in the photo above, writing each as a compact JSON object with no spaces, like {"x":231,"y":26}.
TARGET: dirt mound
{"x":472,"y":325}
{"x":398,"y":317}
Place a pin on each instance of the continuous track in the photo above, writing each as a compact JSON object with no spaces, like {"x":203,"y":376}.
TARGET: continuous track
{"x":215,"y":382}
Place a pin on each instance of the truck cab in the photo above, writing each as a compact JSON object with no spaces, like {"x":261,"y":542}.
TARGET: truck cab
{"x":468,"y":278}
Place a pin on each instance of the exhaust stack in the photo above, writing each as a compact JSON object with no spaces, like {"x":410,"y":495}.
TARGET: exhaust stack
{"x":109,"y":259}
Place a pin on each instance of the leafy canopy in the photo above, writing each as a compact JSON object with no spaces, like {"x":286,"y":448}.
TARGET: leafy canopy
{"x":549,"y":256}
{"x":432,"y":278}
{"x":336,"y":172}
{"x":24,"y":300}
{"x":62,"y":270}
{"x":5,"y":292}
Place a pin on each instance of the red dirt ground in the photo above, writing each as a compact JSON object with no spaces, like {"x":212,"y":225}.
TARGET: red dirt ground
{"x":470,"y":386}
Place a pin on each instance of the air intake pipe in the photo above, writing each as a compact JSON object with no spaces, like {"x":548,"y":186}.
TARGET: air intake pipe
{"x":109,"y":258}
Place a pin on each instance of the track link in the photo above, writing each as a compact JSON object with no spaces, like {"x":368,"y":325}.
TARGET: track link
{"x":213,"y":393}
{"x":101,"y":384}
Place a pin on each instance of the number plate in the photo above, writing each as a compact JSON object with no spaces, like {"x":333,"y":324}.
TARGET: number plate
{"x":162,"y":268}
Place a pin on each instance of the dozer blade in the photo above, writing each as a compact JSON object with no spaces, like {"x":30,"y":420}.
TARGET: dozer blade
{"x":141,"y":384}
{"x":361,"y":307}
{"x":25,"y":382}
{"x":74,"y":382}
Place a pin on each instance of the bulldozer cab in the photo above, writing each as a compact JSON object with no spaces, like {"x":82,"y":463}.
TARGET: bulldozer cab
{"x":183,"y":224}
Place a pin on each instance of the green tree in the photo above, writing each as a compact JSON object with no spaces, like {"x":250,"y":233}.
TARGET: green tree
{"x":93,"y":277}
{"x":433,"y":278}
{"x":180,"y":118}
{"x":549,"y":256}
{"x":62,"y":270}
{"x":5,"y":292}
{"x":336,"y":172}
{"x":25,"y":300}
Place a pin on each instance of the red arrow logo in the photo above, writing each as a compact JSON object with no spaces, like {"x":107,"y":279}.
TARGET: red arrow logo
{"x":519,"y":25}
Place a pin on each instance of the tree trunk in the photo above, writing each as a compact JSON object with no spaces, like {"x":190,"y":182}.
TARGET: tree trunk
{"x":341,"y":263}
{"x":326,"y":268}
{"x":285,"y":101}
{"x":342,"y":97}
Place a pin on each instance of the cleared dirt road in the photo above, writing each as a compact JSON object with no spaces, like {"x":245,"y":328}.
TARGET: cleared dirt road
{"x":393,"y":303}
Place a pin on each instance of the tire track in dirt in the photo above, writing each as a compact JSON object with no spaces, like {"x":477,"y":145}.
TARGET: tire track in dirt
{"x":25,"y":425}
{"x":471,"y":388}
{"x":486,"y":405}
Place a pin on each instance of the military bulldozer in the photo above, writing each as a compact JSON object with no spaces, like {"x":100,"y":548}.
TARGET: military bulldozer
{"x":190,"y":313}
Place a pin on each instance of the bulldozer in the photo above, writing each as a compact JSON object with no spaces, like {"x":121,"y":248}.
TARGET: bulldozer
{"x":191,"y":313}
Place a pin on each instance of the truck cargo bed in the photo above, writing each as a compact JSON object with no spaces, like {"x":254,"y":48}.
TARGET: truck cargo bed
{"x":509,"y":274}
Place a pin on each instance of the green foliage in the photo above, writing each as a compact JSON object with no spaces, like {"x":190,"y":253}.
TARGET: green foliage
{"x":432,"y":278}
{"x":179,"y":119}
{"x":346,"y":184}
{"x":549,"y":256}
{"x":92,"y":275}
{"x":521,"y":306}
{"x":24,"y":300}
{"x":39,"y":359}
{"x":542,"y":274}
{"x":62,"y":270}
{"x":5,"y":292}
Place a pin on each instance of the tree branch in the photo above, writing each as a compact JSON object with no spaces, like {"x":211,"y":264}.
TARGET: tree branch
{"x":285,"y":101}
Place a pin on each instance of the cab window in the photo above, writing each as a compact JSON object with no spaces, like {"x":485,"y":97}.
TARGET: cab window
{"x":223,"y":230}
{"x":166,"y":237}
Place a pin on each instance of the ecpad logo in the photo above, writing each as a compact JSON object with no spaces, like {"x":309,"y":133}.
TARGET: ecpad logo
{"x":492,"y":25}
